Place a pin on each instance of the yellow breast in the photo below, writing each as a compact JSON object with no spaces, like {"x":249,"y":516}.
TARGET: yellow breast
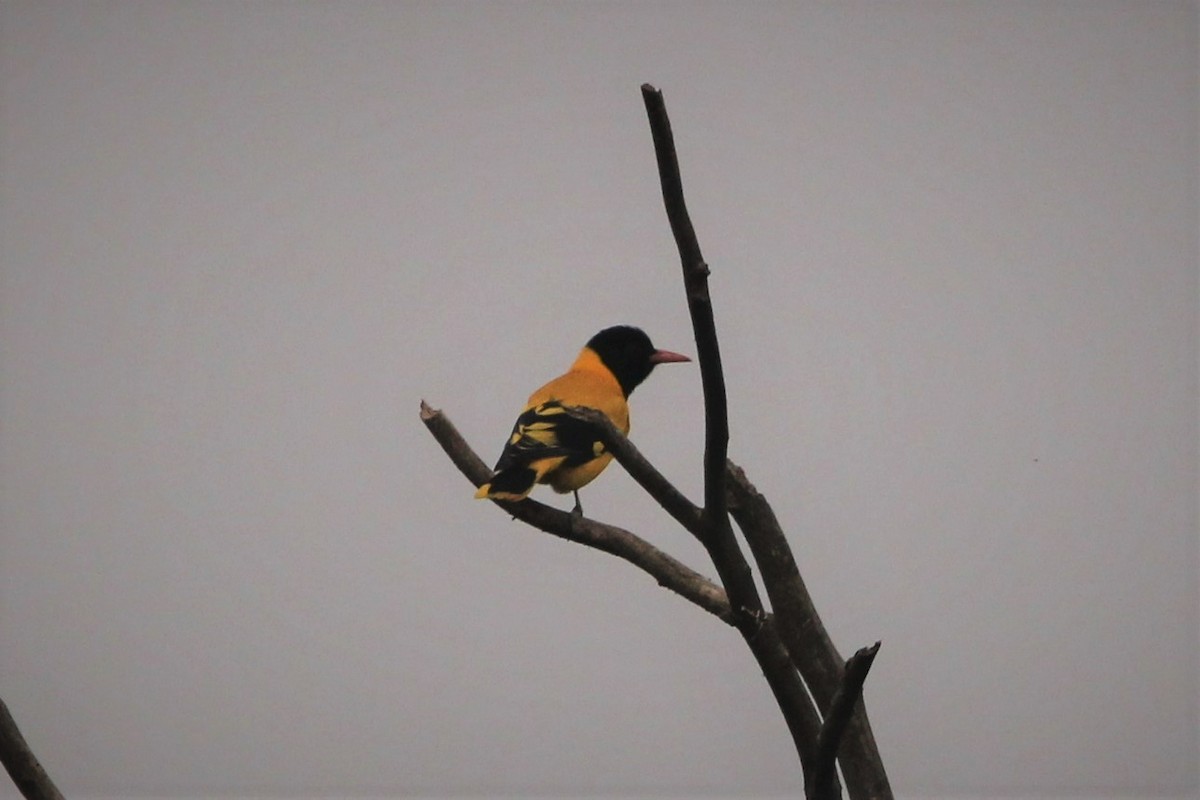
{"x":589,"y":384}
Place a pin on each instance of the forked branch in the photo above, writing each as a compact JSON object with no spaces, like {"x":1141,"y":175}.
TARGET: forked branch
{"x":716,"y":532}
{"x":787,"y":645}
{"x":810,"y":647}
{"x":668,"y":571}
{"x":757,"y":627}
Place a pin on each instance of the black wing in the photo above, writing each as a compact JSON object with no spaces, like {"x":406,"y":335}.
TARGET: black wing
{"x":548,"y":431}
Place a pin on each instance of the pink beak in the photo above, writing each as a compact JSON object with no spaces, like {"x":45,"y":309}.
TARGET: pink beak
{"x":667,"y":357}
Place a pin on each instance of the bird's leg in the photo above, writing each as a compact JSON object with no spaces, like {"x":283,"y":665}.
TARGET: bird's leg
{"x":578,"y":509}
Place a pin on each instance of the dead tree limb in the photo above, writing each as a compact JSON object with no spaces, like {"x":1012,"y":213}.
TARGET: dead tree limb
{"x":780,"y":575}
{"x":669,"y":572}
{"x":819,"y":781}
{"x":695,"y":284}
{"x":23,"y":767}
{"x":813,"y":652}
{"x":758,"y":629}
{"x":716,"y":532}
{"x":790,"y":646}
{"x":673,"y":501}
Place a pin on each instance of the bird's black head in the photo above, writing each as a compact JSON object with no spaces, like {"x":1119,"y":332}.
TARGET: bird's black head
{"x":629,"y":355}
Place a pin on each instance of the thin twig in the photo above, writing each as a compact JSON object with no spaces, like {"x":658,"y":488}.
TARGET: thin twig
{"x":695,"y":283}
{"x":669,"y":572}
{"x":675,"y":503}
{"x":26,"y":772}
{"x":716,"y":532}
{"x":819,"y":781}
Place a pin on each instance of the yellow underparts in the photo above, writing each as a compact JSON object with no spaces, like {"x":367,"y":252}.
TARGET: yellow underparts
{"x":589,"y":384}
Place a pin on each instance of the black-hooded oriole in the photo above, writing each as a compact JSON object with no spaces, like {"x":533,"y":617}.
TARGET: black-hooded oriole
{"x":548,"y":445}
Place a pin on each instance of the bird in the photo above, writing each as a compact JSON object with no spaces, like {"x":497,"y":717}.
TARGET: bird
{"x":547,"y":445}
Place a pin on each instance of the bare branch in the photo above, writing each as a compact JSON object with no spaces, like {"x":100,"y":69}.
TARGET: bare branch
{"x":788,"y":647}
{"x":695,"y":283}
{"x":716,"y":532}
{"x":756,"y":626}
{"x":24,"y":768}
{"x":789,"y":596}
{"x":802,"y":631}
{"x":818,"y":784}
{"x":668,"y":571}
{"x":799,"y":714}
{"x":648,"y":477}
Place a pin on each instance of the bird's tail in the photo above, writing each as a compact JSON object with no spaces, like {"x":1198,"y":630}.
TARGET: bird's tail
{"x":513,"y":483}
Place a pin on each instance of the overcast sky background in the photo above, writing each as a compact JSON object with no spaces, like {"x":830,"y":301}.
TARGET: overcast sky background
{"x":954,"y":254}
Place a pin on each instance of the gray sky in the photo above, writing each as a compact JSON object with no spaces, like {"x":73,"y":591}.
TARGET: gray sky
{"x":954,"y":253}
